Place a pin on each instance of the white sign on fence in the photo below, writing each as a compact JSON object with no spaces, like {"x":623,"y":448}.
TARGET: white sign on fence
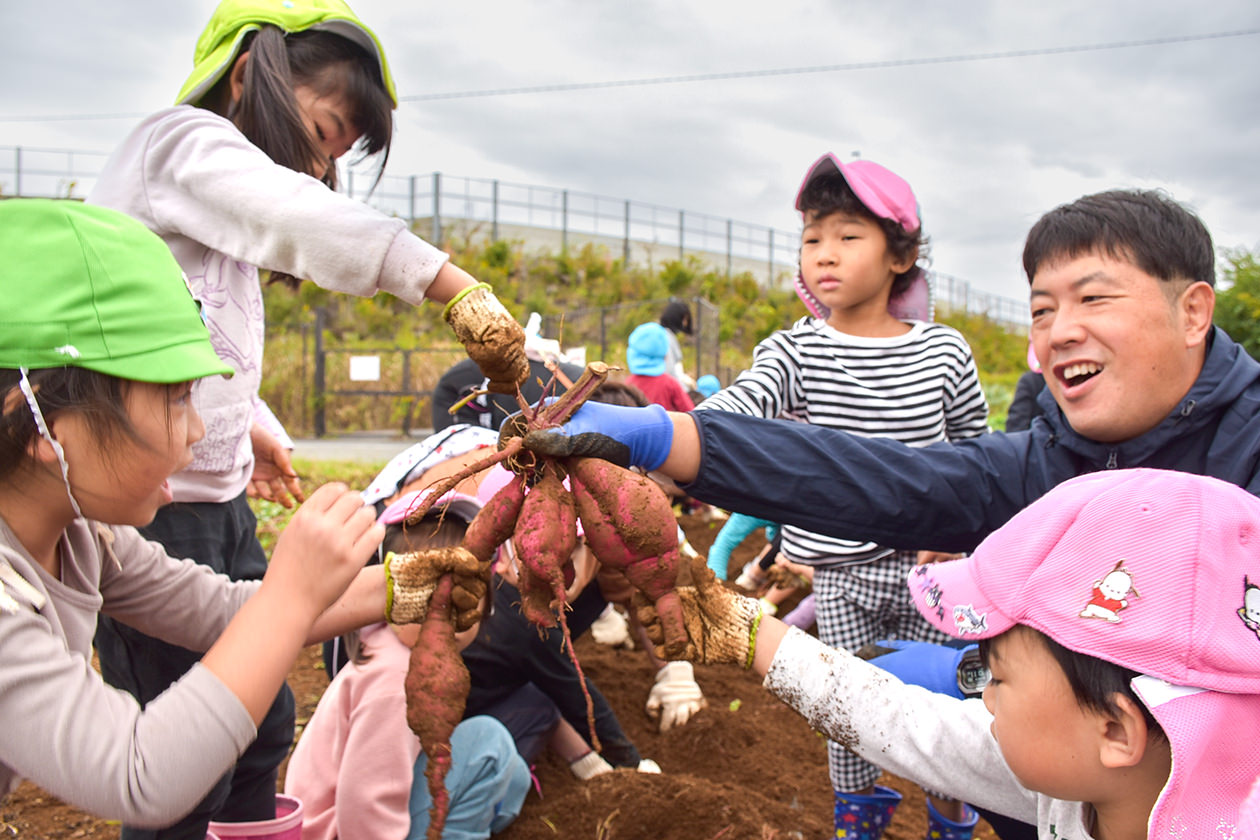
{"x":365,"y":368}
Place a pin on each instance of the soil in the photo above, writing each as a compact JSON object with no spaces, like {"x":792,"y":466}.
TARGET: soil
{"x":745,"y":767}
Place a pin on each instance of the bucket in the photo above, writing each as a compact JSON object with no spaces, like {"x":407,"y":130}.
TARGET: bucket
{"x":286,"y":826}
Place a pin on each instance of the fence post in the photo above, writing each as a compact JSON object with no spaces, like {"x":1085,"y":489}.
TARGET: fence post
{"x":564,"y":221}
{"x":320,"y":427}
{"x":770,"y":261}
{"x":436,"y":238}
{"x":625,"y":248}
{"x":494,"y":210}
{"x":411,"y":200}
{"x":699,"y":332}
{"x":728,"y":249}
{"x":603,"y":333}
{"x":681,"y":229}
{"x":17,"y":170}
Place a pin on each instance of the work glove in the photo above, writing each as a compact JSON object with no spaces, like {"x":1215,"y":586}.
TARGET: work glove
{"x":721,"y":623}
{"x":956,"y":672}
{"x":611,"y":628}
{"x":625,"y":435}
{"x":491,"y":337}
{"x":411,"y":578}
{"x":675,"y":697}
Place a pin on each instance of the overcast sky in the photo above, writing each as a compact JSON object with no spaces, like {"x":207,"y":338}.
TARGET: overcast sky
{"x":988,"y":146}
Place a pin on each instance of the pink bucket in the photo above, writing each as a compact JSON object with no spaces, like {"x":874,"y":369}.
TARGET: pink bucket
{"x":286,"y":826}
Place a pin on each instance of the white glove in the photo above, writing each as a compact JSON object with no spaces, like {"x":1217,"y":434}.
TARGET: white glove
{"x":589,"y":766}
{"x":675,"y":697}
{"x":611,"y":628}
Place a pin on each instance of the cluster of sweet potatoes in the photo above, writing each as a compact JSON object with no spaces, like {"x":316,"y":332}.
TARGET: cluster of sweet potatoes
{"x":629,"y":526}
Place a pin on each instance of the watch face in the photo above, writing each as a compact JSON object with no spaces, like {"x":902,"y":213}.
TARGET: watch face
{"x":973,"y":676}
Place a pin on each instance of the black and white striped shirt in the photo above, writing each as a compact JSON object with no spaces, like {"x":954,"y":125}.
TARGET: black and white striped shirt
{"x":919,"y":388}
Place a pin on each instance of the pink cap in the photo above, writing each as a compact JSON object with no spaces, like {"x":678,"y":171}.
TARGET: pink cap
{"x":1033,"y":364}
{"x":884,"y":193}
{"x":1150,"y":570}
{"x":888,"y":196}
{"x":464,"y":506}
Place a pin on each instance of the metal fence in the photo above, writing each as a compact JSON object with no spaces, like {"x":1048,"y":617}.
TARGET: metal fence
{"x":440,"y":206}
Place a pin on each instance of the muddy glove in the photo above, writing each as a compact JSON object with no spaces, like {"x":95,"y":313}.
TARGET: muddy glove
{"x":721,"y":623}
{"x":411,"y":578}
{"x":675,"y":697}
{"x":626,"y":435}
{"x":490,"y":335}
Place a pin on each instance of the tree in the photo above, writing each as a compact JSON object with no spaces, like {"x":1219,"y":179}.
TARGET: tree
{"x":1238,"y":302}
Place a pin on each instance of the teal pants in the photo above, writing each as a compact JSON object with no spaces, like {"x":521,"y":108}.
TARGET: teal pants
{"x":487,"y":782}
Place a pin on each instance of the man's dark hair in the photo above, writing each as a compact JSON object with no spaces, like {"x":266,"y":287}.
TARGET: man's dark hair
{"x":831,"y":193}
{"x":1145,"y":227}
{"x":1095,"y":682}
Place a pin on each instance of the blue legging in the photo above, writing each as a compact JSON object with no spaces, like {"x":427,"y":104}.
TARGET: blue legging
{"x":487,"y":782}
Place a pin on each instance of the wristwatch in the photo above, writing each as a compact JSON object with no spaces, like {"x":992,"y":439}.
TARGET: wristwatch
{"x":973,"y":676}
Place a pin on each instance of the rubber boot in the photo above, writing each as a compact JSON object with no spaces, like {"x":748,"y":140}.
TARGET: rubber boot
{"x":942,"y":828}
{"x":865,"y":816}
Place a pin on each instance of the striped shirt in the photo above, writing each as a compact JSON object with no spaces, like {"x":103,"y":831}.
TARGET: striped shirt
{"x":919,"y":388}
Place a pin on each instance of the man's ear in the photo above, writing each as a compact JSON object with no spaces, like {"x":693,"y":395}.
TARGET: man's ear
{"x":1195,"y":306}
{"x":236,"y":78}
{"x":1123,"y":734}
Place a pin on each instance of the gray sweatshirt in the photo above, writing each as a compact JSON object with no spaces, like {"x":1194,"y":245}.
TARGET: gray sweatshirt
{"x":76,"y":737}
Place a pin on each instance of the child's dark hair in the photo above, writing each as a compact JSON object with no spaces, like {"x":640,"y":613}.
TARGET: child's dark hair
{"x":1095,"y":682}
{"x":98,"y":398}
{"x":268,"y":114}
{"x":619,"y":393}
{"x":1145,"y":227}
{"x":830,"y":193}
{"x":435,"y":530}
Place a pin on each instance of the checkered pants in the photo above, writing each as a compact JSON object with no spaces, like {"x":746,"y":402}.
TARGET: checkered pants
{"x":858,"y":605}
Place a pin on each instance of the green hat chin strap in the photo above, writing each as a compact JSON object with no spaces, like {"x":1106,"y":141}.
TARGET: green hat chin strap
{"x":24,"y":382}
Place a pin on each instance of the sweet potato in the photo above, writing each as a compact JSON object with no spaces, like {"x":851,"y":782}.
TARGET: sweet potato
{"x":631,"y":527}
{"x":437,"y":687}
{"x":497,"y":520}
{"x":545,"y":537}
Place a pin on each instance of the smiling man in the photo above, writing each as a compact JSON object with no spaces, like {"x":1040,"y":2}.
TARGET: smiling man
{"x":1122,"y":297}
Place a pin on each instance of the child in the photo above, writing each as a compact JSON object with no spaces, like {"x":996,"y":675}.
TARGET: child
{"x":1136,"y":724}
{"x":359,"y":769}
{"x":100,"y":346}
{"x":856,"y":365}
{"x":230,"y":178}
{"x":646,"y":352}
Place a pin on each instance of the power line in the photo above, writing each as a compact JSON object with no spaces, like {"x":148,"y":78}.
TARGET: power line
{"x":739,"y":74}
{"x":827,"y":68}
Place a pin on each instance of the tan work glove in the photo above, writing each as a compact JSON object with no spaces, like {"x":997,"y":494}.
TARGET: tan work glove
{"x":722,"y":624}
{"x":490,"y":335}
{"x":411,"y":578}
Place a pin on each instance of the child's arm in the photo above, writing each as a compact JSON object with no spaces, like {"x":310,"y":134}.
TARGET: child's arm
{"x":966,"y":409}
{"x":770,"y":388}
{"x":316,"y":558}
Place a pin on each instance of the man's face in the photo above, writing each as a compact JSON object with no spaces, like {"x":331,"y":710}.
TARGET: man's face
{"x":1117,"y":353}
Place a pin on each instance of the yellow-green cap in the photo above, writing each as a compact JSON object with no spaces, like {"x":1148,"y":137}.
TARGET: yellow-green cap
{"x":85,"y":286}
{"x":220,"y":41}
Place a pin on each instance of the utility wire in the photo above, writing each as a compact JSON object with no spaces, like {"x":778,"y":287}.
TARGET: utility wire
{"x":740,"y":74}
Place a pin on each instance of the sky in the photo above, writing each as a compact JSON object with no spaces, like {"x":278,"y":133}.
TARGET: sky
{"x":987,"y":145}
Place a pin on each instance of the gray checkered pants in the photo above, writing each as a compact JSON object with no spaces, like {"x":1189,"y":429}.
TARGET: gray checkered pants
{"x":858,"y":605}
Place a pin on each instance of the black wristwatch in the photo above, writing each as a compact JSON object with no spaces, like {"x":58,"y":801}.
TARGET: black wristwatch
{"x":973,"y":676}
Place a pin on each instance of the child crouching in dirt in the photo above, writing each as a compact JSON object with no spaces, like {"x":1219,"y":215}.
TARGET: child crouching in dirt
{"x":100,"y":345}
{"x":359,"y":769}
{"x":1121,"y":627}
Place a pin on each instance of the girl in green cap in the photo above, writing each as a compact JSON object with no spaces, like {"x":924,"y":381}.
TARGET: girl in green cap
{"x":100,"y":344}
{"x":235,"y":178}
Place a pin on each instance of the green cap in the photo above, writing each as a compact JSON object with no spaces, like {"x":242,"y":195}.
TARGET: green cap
{"x":85,"y":286}
{"x":220,"y":42}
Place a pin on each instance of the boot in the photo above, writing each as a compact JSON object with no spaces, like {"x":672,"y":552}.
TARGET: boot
{"x":942,"y":828}
{"x":865,"y":816}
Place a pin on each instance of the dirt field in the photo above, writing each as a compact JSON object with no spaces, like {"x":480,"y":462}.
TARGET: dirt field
{"x":745,"y":767}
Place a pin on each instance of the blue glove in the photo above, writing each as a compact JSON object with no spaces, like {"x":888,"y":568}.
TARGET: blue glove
{"x":939,"y":668}
{"x":626,"y":435}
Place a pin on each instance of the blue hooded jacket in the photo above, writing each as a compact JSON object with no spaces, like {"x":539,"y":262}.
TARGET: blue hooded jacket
{"x":950,"y":496}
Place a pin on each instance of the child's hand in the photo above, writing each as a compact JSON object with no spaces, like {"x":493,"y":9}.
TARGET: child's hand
{"x":325,"y":545}
{"x":719,"y":621}
{"x":411,"y":578}
{"x":491,"y":337}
